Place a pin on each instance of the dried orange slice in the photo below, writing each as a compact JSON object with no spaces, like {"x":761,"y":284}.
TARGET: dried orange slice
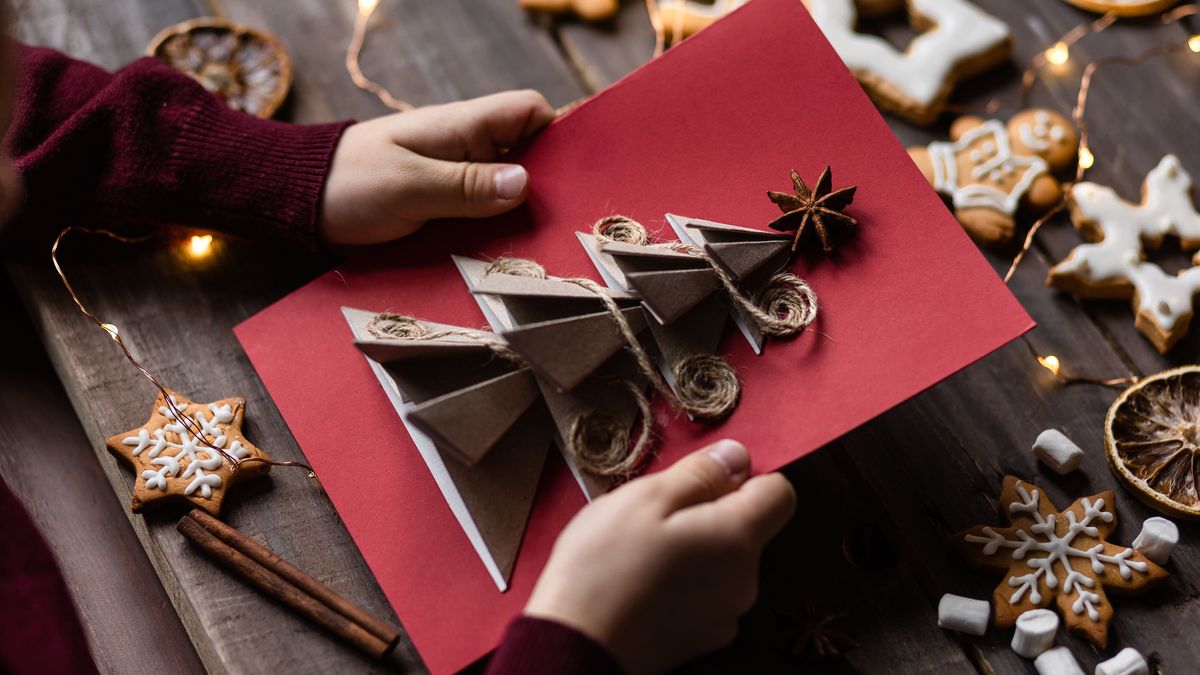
{"x":1152,"y":436}
{"x":247,"y":67}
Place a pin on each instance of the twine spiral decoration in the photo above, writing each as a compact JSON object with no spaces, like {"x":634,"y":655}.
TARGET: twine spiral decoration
{"x":789,"y":304}
{"x":622,"y":229}
{"x":707,"y":384}
{"x":388,"y":326}
{"x":601,"y":445}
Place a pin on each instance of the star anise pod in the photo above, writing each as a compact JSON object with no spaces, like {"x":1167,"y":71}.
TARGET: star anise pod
{"x":819,"y":207}
{"x":815,"y":637}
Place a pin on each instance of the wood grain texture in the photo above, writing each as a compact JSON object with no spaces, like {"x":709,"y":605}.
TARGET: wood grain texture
{"x":48,"y":463}
{"x":919,"y":473}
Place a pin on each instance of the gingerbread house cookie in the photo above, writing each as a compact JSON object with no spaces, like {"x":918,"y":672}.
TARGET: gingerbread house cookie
{"x":990,"y":170}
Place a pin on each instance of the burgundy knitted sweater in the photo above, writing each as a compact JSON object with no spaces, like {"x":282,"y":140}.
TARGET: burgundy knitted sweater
{"x":141,"y":148}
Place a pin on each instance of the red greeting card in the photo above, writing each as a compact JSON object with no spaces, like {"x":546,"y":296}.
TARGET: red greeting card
{"x":704,"y":132}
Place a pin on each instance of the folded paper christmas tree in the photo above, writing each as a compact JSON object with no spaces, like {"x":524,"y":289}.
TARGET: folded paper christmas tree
{"x":904,"y":303}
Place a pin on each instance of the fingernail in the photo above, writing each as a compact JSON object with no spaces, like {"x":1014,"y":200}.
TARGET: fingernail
{"x":732,"y":455}
{"x":510,"y":182}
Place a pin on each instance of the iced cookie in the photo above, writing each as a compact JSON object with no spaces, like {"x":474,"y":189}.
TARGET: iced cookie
{"x":1124,"y":7}
{"x":592,"y":10}
{"x":958,"y":40}
{"x":1114,"y":266}
{"x":990,"y":170}
{"x":691,"y":16}
{"x":173,"y":461}
{"x":1056,"y":556}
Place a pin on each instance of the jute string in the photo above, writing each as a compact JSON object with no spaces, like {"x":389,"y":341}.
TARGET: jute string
{"x":784,"y":307}
{"x":388,"y":326}
{"x":600,"y":443}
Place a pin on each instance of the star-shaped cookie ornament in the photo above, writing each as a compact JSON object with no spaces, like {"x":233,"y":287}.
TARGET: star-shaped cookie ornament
{"x":172,"y":464}
{"x":955,"y":40}
{"x":1062,"y":556}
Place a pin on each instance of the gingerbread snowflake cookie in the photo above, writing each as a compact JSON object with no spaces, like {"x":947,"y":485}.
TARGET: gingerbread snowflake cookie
{"x":1061,"y":556}
{"x":174,"y":463}
{"x":957,"y":40}
{"x":990,"y":170}
{"x":1114,"y":265}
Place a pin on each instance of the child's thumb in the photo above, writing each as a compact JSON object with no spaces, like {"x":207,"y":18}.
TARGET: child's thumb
{"x":475,"y":190}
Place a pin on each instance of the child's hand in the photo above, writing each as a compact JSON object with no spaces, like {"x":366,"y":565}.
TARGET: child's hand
{"x":391,"y":174}
{"x":659,"y":570}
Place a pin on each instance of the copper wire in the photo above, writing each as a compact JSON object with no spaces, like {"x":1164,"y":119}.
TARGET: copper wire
{"x":115,"y":334}
{"x":1063,"y":378}
{"x":1078,"y":114}
{"x":358,"y":37}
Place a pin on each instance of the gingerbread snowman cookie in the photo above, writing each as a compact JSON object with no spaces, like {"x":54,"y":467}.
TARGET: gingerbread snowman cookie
{"x":990,"y":170}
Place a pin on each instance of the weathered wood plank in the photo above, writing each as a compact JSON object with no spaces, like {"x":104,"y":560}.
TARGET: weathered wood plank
{"x":48,"y":463}
{"x":944,"y":452}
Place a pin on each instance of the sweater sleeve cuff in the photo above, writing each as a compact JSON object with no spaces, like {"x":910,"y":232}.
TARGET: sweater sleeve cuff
{"x":536,"y":646}
{"x":258,"y":178}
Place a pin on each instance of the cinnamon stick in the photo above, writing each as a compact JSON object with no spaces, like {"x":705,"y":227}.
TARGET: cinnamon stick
{"x":268,"y":579}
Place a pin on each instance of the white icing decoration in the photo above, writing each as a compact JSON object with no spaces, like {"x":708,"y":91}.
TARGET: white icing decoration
{"x":1035,"y":135}
{"x":1166,"y":208}
{"x":193,"y":456}
{"x":1059,"y":550}
{"x":993,"y":138}
{"x":961,"y":32}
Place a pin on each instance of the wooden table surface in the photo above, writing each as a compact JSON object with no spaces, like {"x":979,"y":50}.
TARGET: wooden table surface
{"x":875,"y":509}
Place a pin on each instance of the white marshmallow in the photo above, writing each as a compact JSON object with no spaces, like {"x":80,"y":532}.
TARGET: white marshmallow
{"x":1057,"y":451}
{"x":1035,"y":632}
{"x":1157,"y":538}
{"x":965,"y":615}
{"x":1127,"y":662}
{"x":1057,"y":661}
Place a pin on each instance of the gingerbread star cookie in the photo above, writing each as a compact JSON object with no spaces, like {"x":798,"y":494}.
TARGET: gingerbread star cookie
{"x":591,"y":10}
{"x":990,"y":170}
{"x":958,"y":40}
{"x":1124,"y":7}
{"x":1061,"y":556}
{"x":173,"y":464}
{"x":1115,"y":264}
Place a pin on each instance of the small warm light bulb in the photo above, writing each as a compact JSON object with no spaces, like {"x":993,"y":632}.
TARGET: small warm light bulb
{"x":365,"y":7}
{"x":1050,"y":363}
{"x":201,"y":245}
{"x":112,"y":330}
{"x":1058,"y":53}
{"x":1194,"y":43}
{"x":1086,"y":158}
